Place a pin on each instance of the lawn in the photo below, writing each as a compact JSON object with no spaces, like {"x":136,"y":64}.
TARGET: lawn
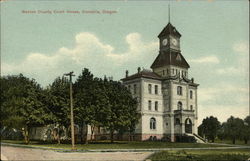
{"x":237,"y":142}
{"x":202,"y":155}
{"x":115,"y":145}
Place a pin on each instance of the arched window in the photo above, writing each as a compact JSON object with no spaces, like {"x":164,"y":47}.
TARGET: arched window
{"x":179,"y":106}
{"x":149,"y":88}
{"x":156,"y":89}
{"x":177,"y":121}
{"x":152,"y":123}
{"x":156,"y":105}
{"x":191,"y":94}
{"x":179,"y":90}
{"x":149,"y":105}
{"x":135,"y":88}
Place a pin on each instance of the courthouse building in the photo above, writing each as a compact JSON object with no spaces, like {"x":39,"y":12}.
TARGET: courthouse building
{"x":167,"y":97}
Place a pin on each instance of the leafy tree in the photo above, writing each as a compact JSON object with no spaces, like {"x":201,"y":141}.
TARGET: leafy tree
{"x":22,"y":104}
{"x":209,"y":127}
{"x":246,"y":129}
{"x":90,"y":102}
{"x":123,"y":115}
{"x":57,"y":100}
{"x":221,"y":132}
{"x":233,"y":128}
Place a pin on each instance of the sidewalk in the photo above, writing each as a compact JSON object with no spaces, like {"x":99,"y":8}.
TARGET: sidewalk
{"x":224,"y":146}
{"x":3,"y":157}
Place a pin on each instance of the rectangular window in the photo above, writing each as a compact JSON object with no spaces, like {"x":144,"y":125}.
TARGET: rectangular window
{"x":167,"y":71}
{"x":129,"y":88}
{"x":163,"y":72}
{"x":179,"y":90}
{"x":149,"y":105}
{"x":156,"y":89}
{"x":156,"y":105}
{"x":149,"y":88}
{"x":191,"y":94}
{"x":135,"y":89}
{"x":173,"y":71}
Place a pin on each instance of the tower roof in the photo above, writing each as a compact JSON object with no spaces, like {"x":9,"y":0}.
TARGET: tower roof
{"x":169,"y":29}
{"x":143,"y":74}
{"x":170,"y":58}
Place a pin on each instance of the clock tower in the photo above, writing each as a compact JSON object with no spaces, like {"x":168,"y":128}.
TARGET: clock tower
{"x":169,"y":38}
{"x":170,"y":61}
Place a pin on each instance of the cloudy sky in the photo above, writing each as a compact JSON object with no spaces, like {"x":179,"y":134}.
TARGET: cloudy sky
{"x":45,"y":44}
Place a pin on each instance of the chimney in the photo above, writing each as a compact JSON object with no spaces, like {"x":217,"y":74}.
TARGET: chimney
{"x":126,"y":73}
{"x":139,"y":69}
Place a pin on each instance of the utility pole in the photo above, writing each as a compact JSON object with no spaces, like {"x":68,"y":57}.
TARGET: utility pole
{"x":70,"y":74}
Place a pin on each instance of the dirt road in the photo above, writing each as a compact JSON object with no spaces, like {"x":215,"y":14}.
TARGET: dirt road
{"x":16,"y":153}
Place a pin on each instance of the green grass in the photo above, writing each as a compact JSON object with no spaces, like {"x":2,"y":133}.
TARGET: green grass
{"x":202,"y":155}
{"x":115,"y":145}
{"x":238,"y":142}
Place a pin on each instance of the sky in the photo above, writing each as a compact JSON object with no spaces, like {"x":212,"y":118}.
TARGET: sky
{"x":45,"y":39}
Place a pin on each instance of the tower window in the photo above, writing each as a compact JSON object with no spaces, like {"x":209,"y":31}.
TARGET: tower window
{"x":152,"y":123}
{"x":177,"y":121}
{"x":179,"y":90}
{"x":149,"y":88}
{"x":156,"y":105}
{"x":191,"y":94}
{"x":135,"y":89}
{"x":149,"y":105}
{"x":156,"y":89}
{"x":191,"y":107}
{"x":179,"y":105}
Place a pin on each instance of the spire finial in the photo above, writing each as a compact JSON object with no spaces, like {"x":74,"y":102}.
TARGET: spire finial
{"x":169,"y":13}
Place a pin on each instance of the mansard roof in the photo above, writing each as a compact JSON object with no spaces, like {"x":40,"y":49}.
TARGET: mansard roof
{"x":170,"y":58}
{"x":143,"y":74}
{"x":169,"y":29}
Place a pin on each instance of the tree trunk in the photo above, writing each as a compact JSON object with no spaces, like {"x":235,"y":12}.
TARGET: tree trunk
{"x":234,"y":140}
{"x":26,"y":135}
{"x":86,"y":134}
{"x":112,"y":136}
{"x":58,"y":136}
{"x":245,"y":140}
{"x":92,"y":132}
{"x":81,"y":134}
{"x":129,"y":136}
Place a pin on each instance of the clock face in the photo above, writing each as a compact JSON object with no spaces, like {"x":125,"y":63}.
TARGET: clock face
{"x":165,"y":42}
{"x":174,"y":41}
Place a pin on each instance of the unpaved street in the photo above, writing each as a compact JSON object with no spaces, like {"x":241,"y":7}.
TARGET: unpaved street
{"x":15,"y":153}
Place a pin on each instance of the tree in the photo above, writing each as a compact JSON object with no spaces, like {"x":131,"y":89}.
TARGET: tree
{"x":90,"y":102}
{"x":123,"y":108}
{"x":209,"y":127}
{"x":57,"y":100}
{"x":233,"y":128}
{"x":246,"y":129}
{"x":22,"y":104}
